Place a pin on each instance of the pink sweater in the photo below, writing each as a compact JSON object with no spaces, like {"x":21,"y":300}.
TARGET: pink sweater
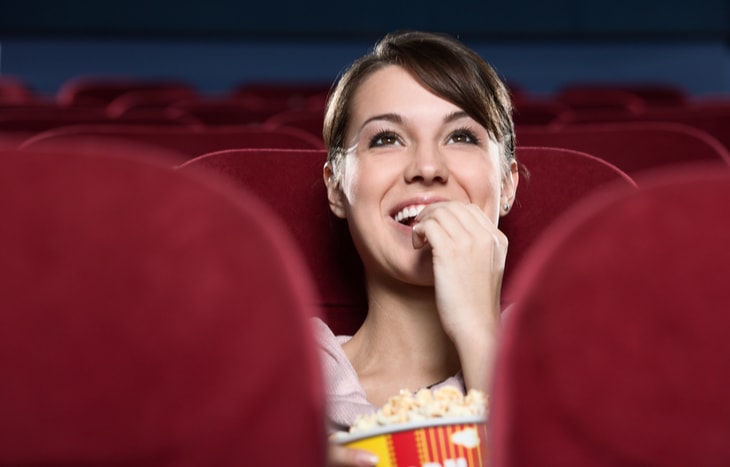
{"x":346,"y":397}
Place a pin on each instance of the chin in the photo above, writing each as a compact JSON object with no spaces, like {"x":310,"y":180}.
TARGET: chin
{"x":419,"y":274}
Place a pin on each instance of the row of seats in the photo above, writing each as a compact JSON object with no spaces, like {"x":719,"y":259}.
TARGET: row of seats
{"x":658,"y":125}
{"x":605,"y":259}
{"x":614,"y":344}
{"x":103,"y":91}
{"x":632,"y":147}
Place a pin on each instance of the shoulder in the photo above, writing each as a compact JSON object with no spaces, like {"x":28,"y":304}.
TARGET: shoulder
{"x":325,"y":337}
{"x":334,"y":359}
{"x":345,"y":396}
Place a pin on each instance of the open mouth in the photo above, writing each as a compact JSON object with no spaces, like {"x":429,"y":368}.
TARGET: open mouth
{"x":407,"y":216}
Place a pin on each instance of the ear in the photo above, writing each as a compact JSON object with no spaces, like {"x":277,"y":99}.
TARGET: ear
{"x":334,"y":191}
{"x":510,"y":180}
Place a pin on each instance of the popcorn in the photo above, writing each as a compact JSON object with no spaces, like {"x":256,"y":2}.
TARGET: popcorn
{"x":425,"y":404}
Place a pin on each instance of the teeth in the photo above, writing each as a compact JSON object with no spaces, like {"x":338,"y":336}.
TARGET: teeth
{"x":409,"y":212}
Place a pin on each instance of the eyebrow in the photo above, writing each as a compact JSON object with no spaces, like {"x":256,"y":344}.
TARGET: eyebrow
{"x":453,"y":116}
{"x":389,"y":117}
{"x":396,"y":118}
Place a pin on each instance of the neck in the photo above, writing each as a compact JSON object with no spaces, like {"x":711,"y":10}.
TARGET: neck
{"x":402,"y":338}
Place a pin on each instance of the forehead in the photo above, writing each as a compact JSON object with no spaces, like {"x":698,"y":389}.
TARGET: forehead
{"x":393,"y":89}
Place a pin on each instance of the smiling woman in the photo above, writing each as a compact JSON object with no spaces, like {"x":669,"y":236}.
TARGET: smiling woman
{"x":421,"y":164}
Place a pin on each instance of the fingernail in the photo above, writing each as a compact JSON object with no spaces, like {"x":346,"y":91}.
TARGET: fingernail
{"x":366,"y":459}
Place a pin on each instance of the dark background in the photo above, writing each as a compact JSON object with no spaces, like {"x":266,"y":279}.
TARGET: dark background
{"x":340,"y":20}
{"x":216,"y":43}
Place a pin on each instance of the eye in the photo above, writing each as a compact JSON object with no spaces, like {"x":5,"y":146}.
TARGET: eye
{"x":463,"y":136}
{"x":384,"y":138}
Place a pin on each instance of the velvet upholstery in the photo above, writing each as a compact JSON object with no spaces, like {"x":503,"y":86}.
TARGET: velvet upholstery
{"x":191,"y":142}
{"x":632,"y":146}
{"x":99,"y":91}
{"x":308,"y":119}
{"x":617,"y":352}
{"x":150,"y":318}
{"x":291,"y":182}
{"x":553,"y":180}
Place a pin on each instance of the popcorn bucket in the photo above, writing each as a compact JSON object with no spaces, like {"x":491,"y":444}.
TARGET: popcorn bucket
{"x":447,"y":442}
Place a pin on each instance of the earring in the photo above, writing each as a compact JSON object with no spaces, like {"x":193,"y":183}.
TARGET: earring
{"x":506,"y":207}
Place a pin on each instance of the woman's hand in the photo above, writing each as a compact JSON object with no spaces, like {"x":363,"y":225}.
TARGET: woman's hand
{"x":469,"y":253}
{"x":341,"y":456}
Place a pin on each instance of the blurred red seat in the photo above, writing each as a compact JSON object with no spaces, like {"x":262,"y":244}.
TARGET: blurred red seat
{"x":309,"y":120}
{"x":632,"y":146}
{"x":13,"y":90}
{"x":20,"y":122}
{"x":650,"y":94}
{"x":290,"y":181}
{"x":585,"y":97}
{"x":150,"y":318}
{"x":278,"y":95}
{"x":148,"y":99}
{"x":191,"y":142}
{"x":616,"y":352}
{"x":99,"y":91}
{"x":712,"y":119}
{"x":225,"y":111}
{"x":557,"y":179}
{"x":539,"y":111}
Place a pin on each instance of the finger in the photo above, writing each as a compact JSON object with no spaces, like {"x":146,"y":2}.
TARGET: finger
{"x":341,"y":456}
{"x":418,"y":236}
{"x":440,"y":223}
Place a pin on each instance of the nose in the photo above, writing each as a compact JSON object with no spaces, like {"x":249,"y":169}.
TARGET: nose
{"x":427,"y":165}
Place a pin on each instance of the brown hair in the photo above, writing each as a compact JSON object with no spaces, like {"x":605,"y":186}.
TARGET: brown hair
{"x":445,"y":66}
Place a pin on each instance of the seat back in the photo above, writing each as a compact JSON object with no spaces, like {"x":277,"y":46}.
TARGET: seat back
{"x":189,"y":141}
{"x":651,"y":94}
{"x":14,"y":90}
{"x":291,"y":182}
{"x":617,"y":353}
{"x":632,"y":146}
{"x":142,"y":319}
{"x":99,"y":91}
{"x":308,"y":119}
{"x":556,"y":179}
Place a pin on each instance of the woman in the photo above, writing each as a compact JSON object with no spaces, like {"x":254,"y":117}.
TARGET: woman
{"x":421,"y":165}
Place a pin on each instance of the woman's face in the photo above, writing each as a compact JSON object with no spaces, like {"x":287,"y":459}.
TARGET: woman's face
{"x":409,"y":148}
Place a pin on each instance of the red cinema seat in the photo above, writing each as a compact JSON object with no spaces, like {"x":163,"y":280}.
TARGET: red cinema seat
{"x":611,"y":101}
{"x":280,"y":95}
{"x":651,"y":94}
{"x":539,"y":112}
{"x":150,"y":318}
{"x":616,"y":353}
{"x":632,"y":146}
{"x":225,"y":111}
{"x":15,"y":91}
{"x":291,"y":182}
{"x":191,"y":142}
{"x":148,"y":99}
{"x":556,"y":179}
{"x":309,"y":120}
{"x":99,"y":91}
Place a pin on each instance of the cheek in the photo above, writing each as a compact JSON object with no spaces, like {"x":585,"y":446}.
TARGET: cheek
{"x":483,"y":188}
{"x":366,"y":180}
{"x":351,"y":178}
